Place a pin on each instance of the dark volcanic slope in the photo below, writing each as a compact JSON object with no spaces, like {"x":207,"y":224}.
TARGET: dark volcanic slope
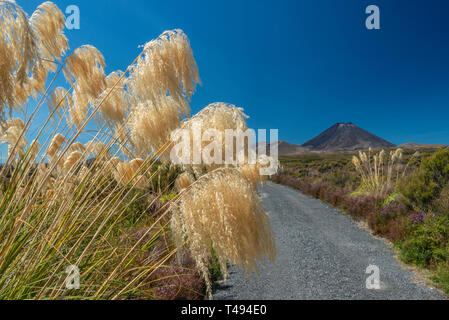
{"x":346,"y":137}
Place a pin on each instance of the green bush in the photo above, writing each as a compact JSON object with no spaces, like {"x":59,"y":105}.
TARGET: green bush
{"x":428,"y":244}
{"x":441,"y":204}
{"x":425,"y":184}
{"x":442,"y":278}
{"x":437,"y":168}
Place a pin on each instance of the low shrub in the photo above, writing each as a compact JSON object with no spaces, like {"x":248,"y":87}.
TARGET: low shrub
{"x":441,"y":204}
{"x":178,"y":281}
{"x":336,"y":198}
{"x":361,"y":206}
{"x":390,"y":220}
{"x":441,"y":277}
{"x":428,"y":244}
{"x":426,"y":184}
{"x":418,"y":218}
{"x":418,"y":190}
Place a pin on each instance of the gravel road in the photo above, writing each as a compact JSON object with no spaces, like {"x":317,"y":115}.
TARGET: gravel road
{"x":321,"y":254}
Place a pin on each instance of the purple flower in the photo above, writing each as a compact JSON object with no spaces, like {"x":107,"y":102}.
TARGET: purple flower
{"x":393,"y":208}
{"x":418,"y":218}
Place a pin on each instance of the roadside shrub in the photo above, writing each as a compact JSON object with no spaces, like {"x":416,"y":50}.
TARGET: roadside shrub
{"x":426,"y":184}
{"x":178,"y":281}
{"x":442,"y":278}
{"x":393,"y":209}
{"x":335,"y":198}
{"x":441,"y":204}
{"x":319,"y":190}
{"x":418,"y":218}
{"x":418,"y":190}
{"x":389,"y":221}
{"x":428,"y":244}
{"x":361,"y":206}
{"x":340,"y":178}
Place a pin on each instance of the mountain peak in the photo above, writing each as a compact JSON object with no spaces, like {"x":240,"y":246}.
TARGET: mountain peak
{"x":346,"y":137}
{"x":345,"y":124}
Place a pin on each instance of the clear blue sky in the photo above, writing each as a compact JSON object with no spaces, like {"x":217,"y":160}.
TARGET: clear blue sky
{"x":298,"y":65}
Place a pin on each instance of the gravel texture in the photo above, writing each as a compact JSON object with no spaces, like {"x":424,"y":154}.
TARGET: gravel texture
{"x":321,"y":254}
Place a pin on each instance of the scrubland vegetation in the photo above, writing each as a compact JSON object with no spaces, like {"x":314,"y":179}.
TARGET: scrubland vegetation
{"x":403,"y":195}
{"x":136,"y":225}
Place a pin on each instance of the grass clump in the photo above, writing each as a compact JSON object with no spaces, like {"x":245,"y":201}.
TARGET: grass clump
{"x":111,"y":206}
{"x":425,"y":185}
{"x":428,"y":244}
{"x":230,"y":220}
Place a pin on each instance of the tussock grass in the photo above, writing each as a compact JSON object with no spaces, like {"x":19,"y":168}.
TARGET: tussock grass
{"x":98,"y":205}
{"x":221,"y":210}
{"x":379,"y":172}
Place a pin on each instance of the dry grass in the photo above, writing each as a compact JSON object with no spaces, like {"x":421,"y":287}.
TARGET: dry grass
{"x":151,"y":125}
{"x":84,"y":70}
{"x":184,"y":181}
{"x":60,"y":207}
{"x":167,"y":67}
{"x":222,"y":211}
{"x":48,"y":24}
{"x":18,"y":55}
{"x":378,"y":172}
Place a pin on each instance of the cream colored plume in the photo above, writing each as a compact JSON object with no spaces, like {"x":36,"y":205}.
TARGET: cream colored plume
{"x":48,"y":23}
{"x":33,"y":85}
{"x":85,"y":70}
{"x":72,"y":160}
{"x":114,"y":106}
{"x":18,"y":55}
{"x":11,"y":134}
{"x":378,"y":173}
{"x":76,"y":146}
{"x":111,"y":165}
{"x":222,"y":210}
{"x":97,"y":149}
{"x":55,"y":144}
{"x":125,"y":173}
{"x":60,"y":101}
{"x":252,"y":173}
{"x":150,"y":125}
{"x":167,"y":68}
{"x":184,"y":181}
{"x":397,"y":155}
{"x":221,"y":117}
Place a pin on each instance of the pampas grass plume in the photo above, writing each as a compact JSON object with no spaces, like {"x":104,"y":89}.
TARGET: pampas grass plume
{"x":222,"y":211}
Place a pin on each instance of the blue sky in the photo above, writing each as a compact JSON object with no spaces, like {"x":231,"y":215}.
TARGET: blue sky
{"x":299,"y":65}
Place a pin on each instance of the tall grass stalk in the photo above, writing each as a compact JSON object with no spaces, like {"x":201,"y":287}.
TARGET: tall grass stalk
{"x":381,"y":171}
{"x":96,"y":205}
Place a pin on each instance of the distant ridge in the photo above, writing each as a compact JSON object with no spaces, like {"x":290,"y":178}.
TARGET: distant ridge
{"x":345,"y":137}
{"x":413,"y":145}
{"x":340,"y":137}
{"x":284,"y":148}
